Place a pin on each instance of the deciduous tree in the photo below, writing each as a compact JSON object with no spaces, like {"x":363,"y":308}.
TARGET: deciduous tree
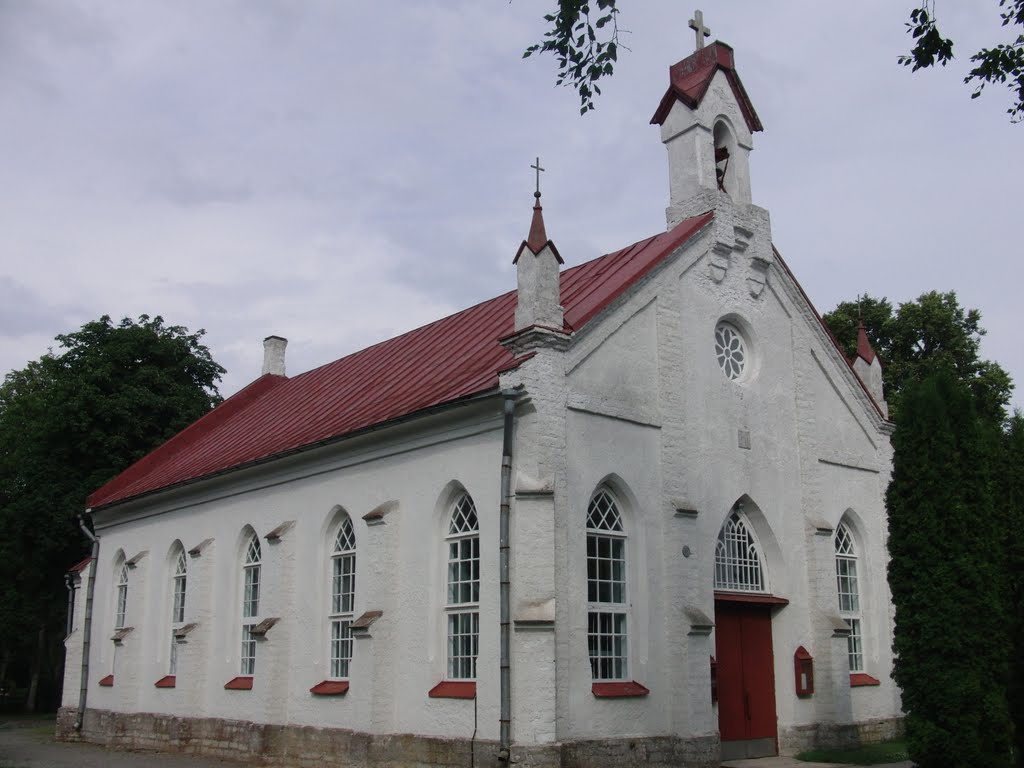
{"x":70,"y":421}
{"x":922,"y":337}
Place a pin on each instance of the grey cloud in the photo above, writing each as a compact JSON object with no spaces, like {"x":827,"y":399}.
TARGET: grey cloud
{"x":24,"y":312}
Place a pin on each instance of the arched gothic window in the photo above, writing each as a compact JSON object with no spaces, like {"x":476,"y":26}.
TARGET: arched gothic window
{"x":343,"y":590}
{"x":737,"y":558}
{"x":178,"y":584}
{"x":849,"y":594}
{"x":250,"y":603}
{"x":122,"y":595}
{"x":463,"y":604}
{"x":607,"y":609}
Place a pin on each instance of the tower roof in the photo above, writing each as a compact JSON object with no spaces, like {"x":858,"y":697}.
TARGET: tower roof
{"x":864,"y":349}
{"x":538,"y":237}
{"x":689,"y":80}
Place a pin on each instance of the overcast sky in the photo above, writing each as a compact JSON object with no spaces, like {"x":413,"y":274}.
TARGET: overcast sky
{"x":339,"y":172}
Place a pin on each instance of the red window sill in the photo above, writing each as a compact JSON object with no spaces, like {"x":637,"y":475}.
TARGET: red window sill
{"x":622,"y":690}
{"x":454,"y":689}
{"x":858,"y":679}
{"x":243,"y":683}
{"x":165,"y":682}
{"x":330,"y":688}
{"x":107,"y":681}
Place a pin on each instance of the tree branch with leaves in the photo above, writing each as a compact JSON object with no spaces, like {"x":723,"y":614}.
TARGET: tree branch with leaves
{"x":585,"y":43}
{"x":583,"y":35}
{"x":1003,"y":64}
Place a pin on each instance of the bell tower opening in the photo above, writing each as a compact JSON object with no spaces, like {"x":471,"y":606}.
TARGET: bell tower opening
{"x":725,"y":151}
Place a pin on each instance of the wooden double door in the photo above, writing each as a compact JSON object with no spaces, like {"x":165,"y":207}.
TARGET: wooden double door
{"x":746,"y":680}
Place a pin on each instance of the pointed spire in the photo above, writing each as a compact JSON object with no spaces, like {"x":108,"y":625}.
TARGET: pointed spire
{"x":864,"y":349}
{"x":537,"y":240}
{"x":538,"y":237}
{"x":868,"y":367}
{"x":538,"y":282}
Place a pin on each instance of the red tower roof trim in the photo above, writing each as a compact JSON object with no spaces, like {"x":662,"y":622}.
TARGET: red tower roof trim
{"x":690,"y":78}
{"x":537,"y":240}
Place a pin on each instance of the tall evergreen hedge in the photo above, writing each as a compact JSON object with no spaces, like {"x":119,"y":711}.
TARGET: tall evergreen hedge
{"x":949,"y":579}
{"x":1012,"y":494}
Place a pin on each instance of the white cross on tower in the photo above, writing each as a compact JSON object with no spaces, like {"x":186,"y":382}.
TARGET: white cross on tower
{"x":697,"y":25}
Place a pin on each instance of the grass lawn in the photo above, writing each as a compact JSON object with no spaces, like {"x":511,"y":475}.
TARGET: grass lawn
{"x":872,"y":754}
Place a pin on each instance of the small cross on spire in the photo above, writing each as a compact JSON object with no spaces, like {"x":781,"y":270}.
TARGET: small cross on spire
{"x":697,"y":25}
{"x":538,"y":169}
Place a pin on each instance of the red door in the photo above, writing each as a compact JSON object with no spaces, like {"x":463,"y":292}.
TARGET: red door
{"x":746,"y":680}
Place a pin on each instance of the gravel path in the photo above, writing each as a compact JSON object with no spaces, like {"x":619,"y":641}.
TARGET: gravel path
{"x":30,"y":744}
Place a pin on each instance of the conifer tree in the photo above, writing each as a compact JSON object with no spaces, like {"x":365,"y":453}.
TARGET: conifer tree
{"x":1012,"y":495}
{"x":948,"y":579}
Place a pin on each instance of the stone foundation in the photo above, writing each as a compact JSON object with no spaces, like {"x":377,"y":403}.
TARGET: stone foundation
{"x":801,"y":738}
{"x":298,"y":746}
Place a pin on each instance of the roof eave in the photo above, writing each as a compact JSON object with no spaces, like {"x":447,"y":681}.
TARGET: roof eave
{"x":429,"y":411}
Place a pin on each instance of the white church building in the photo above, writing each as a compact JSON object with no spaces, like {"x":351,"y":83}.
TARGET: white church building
{"x":630,"y":513}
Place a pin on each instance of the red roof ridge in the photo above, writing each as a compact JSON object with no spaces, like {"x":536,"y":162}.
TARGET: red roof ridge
{"x":675,"y":237}
{"x":828,"y":331}
{"x":189,"y":435}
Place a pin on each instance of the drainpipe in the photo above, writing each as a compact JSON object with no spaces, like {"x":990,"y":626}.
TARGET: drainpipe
{"x":69,"y":582}
{"x":87,"y":621}
{"x":505,"y":735}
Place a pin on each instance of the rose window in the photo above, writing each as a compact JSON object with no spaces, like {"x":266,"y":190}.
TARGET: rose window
{"x":730,"y":350}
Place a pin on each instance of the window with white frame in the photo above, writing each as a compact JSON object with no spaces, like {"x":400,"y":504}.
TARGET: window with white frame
{"x":607,"y":607}
{"x":462,"y":611}
{"x":730,"y":350}
{"x":343,"y":590}
{"x":250,"y":603}
{"x":737,"y":557}
{"x":849,"y":594}
{"x":122,"y":596}
{"x":178,"y":584}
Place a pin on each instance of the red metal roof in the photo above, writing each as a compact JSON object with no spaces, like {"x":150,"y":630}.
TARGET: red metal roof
{"x":689,"y":80}
{"x":80,"y":566}
{"x":445,"y":361}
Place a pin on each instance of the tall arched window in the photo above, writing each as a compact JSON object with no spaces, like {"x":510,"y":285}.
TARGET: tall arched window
{"x":737,"y":557}
{"x":122,"y":595}
{"x":849,"y":594}
{"x":607,"y":609}
{"x":343,"y":590}
{"x":178,"y":585}
{"x":250,"y":603}
{"x":463,"y":605}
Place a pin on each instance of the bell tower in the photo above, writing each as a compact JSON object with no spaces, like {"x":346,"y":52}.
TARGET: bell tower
{"x":707,"y":124}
